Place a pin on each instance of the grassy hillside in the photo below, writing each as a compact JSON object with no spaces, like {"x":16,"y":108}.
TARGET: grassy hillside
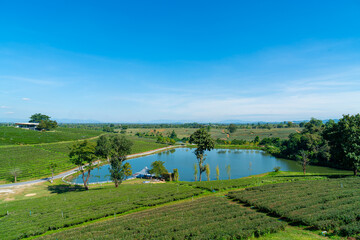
{"x":34,"y":160}
{"x":331,"y":204}
{"x":245,"y":134}
{"x":204,"y":218}
{"x":18,"y":136}
{"x":23,"y":218}
{"x":106,"y":212}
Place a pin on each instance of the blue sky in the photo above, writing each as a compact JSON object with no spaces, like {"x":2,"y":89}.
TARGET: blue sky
{"x":117,"y":61}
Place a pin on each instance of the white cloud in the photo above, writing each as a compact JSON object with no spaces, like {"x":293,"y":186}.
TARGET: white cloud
{"x":9,"y":113}
{"x":4,"y":107}
{"x":26,"y":99}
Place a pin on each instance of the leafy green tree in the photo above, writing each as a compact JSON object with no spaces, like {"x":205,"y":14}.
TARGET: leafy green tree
{"x":104,"y":147}
{"x":47,"y":125}
{"x":207,"y":170}
{"x":38,"y":117}
{"x":173,"y":134}
{"x":82,"y":154}
{"x":344,"y":139}
{"x":256,"y":139}
{"x":158,"y":169}
{"x":217,"y":172}
{"x":232,"y":128}
{"x":120,"y":148}
{"x":203,"y":142}
{"x":119,"y":171}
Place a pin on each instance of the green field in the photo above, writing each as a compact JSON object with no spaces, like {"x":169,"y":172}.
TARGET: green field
{"x":331,"y":204}
{"x":23,"y":218}
{"x":18,"y":136}
{"x":245,"y":134}
{"x":34,"y":159}
{"x":221,"y":185}
{"x":190,"y":210}
{"x":204,"y":218}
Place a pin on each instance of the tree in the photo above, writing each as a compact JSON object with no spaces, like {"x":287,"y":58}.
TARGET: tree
{"x":15,"y":172}
{"x":38,"y":117}
{"x":256,"y":139}
{"x":207,"y":169}
{"x":304,"y":160}
{"x":344,"y":140}
{"x":176,"y":174}
{"x":52,"y":168}
{"x":158,"y":169}
{"x":195,"y":171}
{"x":47,"y":125}
{"x":173,"y":135}
{"x":217,"y":172}
{"x":204,"y":143}
{"x":120,"y":148}
{"x":232,"y":128}
{"x":83,"y":155}
{"x":119,"y":171}
{"x":103,"y":147}
{"x":228,"y":170}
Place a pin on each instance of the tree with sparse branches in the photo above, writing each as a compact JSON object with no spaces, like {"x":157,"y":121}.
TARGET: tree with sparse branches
{"x":15,"y":172}
{"x":207,"y":170}
{"x":304,"y":159}
{"x":217,"y":172}
{"x":203,"y":142}
{"x":83,"y":155}
{"x":228,"y":170}
{"x":52,"y":168}
{"x":195,"y":171}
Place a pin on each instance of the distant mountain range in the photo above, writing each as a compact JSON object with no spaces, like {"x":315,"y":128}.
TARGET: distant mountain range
{"x":65,"y":120}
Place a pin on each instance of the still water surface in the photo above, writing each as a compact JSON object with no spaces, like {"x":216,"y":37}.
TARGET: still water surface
{"x":243,"y":163}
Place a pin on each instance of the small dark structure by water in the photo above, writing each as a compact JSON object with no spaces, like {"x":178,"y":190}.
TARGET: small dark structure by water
{"x":144,"y":173}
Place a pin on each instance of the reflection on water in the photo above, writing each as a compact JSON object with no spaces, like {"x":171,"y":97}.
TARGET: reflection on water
{"x":243,"y":163}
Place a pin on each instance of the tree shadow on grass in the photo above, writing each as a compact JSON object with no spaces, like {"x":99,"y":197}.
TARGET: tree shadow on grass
{"x":64,"y":188}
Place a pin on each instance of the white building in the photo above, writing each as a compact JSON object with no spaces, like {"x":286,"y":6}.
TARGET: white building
{"x":30,"y":126}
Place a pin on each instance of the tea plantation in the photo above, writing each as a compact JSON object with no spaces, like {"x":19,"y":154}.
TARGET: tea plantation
{"x":204,"y":218}
{"x":220,"y":185}
{"x":18,"y":136}
{"x":331,"y":204}
{"x":34,"y":160}
{"x":24,"y":218}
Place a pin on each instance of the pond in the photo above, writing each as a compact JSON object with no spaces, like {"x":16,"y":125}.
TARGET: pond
{"x":243,"y":163}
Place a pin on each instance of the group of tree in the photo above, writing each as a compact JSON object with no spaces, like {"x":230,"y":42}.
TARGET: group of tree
{"x":328,"y":144}
{"x":44,"y":122}
{"x":114,"y":148}
{"x":159,"y":170}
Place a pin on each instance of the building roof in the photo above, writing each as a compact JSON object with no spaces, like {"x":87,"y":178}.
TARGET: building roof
{"x":29,"y":124}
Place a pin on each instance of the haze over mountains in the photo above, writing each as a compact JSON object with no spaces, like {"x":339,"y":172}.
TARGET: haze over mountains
{"x":160,"y":121}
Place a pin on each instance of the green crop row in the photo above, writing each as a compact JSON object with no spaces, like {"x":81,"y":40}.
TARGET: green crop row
{"x":204,"y":218}
{"x":17,"y":136}
{"x":36,"y":216}
{"x":219,"y":185}
{"x":32,"y":162}
{"x":330,"y":204}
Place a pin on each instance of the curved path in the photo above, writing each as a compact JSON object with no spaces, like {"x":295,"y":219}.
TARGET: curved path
{"x":61,"y":175}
